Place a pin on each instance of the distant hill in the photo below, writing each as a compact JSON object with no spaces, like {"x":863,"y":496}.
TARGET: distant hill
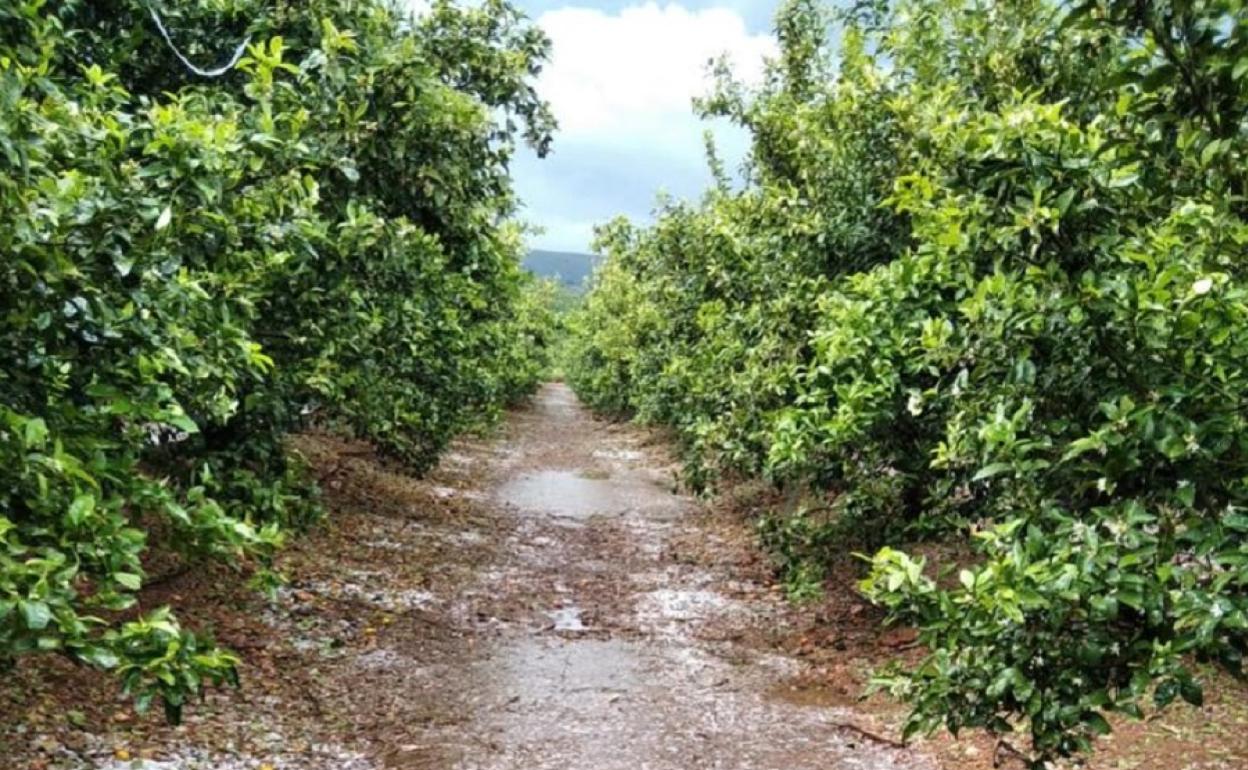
{"x":571,"y":268}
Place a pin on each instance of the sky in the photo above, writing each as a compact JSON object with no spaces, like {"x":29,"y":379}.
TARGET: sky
{"x":620,"y":80}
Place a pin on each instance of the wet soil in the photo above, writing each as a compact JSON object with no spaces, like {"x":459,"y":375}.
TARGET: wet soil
{"x":547,"y":598}
{"x":629,"y":663}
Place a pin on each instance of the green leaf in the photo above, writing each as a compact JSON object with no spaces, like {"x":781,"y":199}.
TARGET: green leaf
{"x":36,"y":614}
{"x":183,"y":423}
{"x":1165,"y":693}
{"x":34,"y":432}
{"x":100,"y":657}
{"x":991,"y":470}
{"x":1096,"y":723}
{"x":967,"y":579}
{"x":1192,"y":692}
{"x":80,"y":510}
{"x":128,"y":580}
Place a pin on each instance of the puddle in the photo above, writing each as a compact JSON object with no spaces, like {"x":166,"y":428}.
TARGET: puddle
{"x":570,"y":494}
{"x":567,"y":493}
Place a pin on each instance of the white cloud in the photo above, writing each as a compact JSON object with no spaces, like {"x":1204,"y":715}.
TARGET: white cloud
{"x":621,"y":87}
{"x":610,"y":73}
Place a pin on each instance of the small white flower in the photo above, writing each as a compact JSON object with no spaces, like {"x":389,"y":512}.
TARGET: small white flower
{"x":1202,"y":286}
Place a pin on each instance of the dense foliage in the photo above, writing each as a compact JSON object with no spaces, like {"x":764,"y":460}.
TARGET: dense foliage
{"x":194,"y":267}
{"x":984,"y":279}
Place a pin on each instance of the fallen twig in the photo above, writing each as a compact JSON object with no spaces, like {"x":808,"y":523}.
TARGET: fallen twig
{"x":853,"y":728}
{"x":1003,"y":747}
{"x":168,"y":577}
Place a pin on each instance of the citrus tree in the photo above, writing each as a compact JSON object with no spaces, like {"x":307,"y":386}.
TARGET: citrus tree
{"x":981,"y":281}
{"x":200,"y":259}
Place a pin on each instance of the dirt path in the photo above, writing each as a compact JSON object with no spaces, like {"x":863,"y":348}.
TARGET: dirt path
{"x":543,"y":600}
{"x":622,"y":656}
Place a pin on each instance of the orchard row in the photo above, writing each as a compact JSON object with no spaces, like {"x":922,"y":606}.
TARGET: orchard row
{"x":982,"y":280}
{"x":195,"y":266}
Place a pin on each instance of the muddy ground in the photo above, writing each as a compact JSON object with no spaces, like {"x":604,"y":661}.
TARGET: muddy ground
{"x":545,"y":599}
